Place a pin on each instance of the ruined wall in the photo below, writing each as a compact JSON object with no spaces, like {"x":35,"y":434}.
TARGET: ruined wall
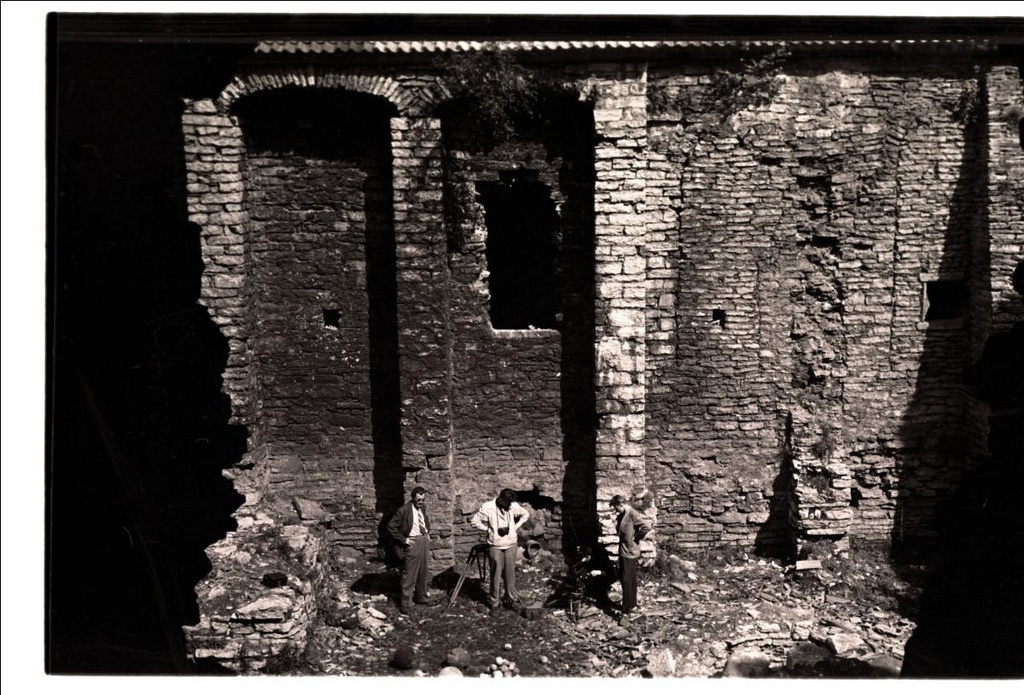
{"x":808,"y":229}
{"x":743,"y":294}
{"x":213,"y":149}
{"x":247,"y":621}
{"x":1003,"y":113}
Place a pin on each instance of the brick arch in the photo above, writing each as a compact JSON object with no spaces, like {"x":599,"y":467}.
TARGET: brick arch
{"x":408,"y":100}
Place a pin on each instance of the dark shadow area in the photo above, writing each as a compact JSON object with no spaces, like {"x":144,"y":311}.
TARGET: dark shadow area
{"x":774,"y":538}
{"x":969,"y":624}
{"x":535,"y":499}
{"x":834,"y":667}
{"x":585,"y":581}
{"x":388,"y":582}
{"x":137,"y":430}
{"x":971,"y":620}
{"x":474,"y":588}
{"x":934,"y":441}
{"x":570,"y":135}
{"x":321,"y":124}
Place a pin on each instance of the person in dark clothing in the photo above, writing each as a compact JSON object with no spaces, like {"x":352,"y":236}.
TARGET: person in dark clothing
{"x":410,"y":527}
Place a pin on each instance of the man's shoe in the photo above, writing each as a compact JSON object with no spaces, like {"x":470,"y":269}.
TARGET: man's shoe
{"x":429,"y":601}
{"x":404,"y":610}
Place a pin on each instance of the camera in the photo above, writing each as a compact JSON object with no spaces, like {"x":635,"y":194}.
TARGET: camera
{"x":503,"y":531}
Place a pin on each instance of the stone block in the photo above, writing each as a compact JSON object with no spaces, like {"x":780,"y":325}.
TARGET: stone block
{"x":747,"y":662}
{"x":844,"y":644}
{"x":661,"y":664}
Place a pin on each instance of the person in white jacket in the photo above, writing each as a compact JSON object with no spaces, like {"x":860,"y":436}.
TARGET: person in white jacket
{"x":500,"y":519}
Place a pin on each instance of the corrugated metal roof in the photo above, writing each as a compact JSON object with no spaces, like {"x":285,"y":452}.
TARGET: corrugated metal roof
{"x":415,"y":47}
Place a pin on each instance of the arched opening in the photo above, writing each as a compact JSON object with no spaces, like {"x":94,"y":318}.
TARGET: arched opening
{"x":321,"y":267}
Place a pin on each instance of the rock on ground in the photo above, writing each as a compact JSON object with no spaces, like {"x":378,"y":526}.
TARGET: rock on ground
{"x":458,"y":657}
{"x":662,"y":664}
{"x":747,"y":662}
{"x":404,"y":658}
{"x":844,"y":643}
{"x":806,"y":654}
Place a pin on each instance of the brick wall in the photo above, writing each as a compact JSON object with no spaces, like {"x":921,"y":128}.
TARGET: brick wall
{"x":806,"y":232}
{"x":518,"y":393}
{"x":743,"y":300}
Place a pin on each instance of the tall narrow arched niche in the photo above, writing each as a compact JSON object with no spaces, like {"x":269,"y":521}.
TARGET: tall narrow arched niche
{"x":320,"y":257}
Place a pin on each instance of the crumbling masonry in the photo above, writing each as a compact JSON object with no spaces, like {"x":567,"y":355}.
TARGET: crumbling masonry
{"x":749,"y":304}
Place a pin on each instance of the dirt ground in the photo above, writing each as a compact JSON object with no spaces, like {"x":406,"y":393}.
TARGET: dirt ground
{"x":701,"y":615}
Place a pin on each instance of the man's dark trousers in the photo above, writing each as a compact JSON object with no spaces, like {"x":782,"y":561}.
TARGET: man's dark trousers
{"x":414,"y":571}
{"x":627,"y":568}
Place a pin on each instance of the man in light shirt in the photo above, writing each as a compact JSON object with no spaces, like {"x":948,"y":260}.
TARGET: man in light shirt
{"x":500,"y":519}
{"x":410,"y":527}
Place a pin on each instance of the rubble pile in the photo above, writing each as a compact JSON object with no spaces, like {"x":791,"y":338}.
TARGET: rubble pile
{"x":259,"y":602}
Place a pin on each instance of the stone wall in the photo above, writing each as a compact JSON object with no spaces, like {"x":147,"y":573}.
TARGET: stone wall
{"x":744,"y":335}
{"x":213,"y":150}
{"x":424,"y":322}
{"x":1003,"y":112}
{"x":517,"y":420}
{"x":808,"y":229}
{"x":620,"y":227}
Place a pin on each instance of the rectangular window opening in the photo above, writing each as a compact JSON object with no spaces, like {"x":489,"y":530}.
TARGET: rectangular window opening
{"x":945,"y":300}
{"x":521,"y":250}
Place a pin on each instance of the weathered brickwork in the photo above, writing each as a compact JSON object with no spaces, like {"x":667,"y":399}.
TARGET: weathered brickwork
{"x":1004,"y":109}
{"x":763,"y":314}
{"x":246,"y":624}
{"x":424,"y":331}
{"x":319,"y":211}
{"x":808,"y":232}
{"x":620,"y":219}
{"x":213,"y":153}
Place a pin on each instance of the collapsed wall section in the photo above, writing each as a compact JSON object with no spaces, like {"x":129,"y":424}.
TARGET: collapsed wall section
{"x":213,"y":149}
